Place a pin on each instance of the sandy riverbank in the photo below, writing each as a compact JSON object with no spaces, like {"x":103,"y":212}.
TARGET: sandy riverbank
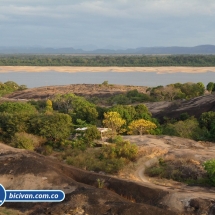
{"x":159,"y":70}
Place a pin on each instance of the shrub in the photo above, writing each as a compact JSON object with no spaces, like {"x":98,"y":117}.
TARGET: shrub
{"x":186,"y":129}
{"x":17,"y":107}
{"x":27,"y":141}
{"x":122,"y":149}
{"x":91,"y":134}
{"x":210,"y":168}
{"x":181,"y":169}
{"x":47,"y":150}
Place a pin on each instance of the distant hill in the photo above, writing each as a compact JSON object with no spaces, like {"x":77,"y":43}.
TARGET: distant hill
{"x":174,"y":50}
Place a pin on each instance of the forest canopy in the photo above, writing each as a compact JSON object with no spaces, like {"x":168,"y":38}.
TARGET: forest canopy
{"x":135,"y":60}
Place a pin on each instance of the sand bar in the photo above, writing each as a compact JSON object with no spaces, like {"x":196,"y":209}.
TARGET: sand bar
{"x":71,"y":69}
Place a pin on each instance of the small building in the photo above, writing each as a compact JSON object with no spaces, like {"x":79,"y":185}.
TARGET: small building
{"x":101,"y":130}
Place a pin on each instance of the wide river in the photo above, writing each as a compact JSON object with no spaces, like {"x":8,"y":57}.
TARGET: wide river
{"x":151,"y":79}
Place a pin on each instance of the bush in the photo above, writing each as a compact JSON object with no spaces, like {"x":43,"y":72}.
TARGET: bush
{"x":17,"y":107}
{"x":187,"y":129}
{"x":122,"y":149}
{"x":27,"y":141}
{"x":47,"y":150}
{"x":210,"y":168}
{"x":181,"y":169}
{"x":12,"y":123}
{"x":90,"y":161}
{"x":91,"y":134}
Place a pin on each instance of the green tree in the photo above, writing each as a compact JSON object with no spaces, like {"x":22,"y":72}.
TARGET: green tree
{"x":91,"y":134}
{"x":207,"y":119}
{"x":210,"y":168}
{"x":55,"y":127}
{"x":13,"y":123}
{"x":142,"y":112}
{"x":17,"y":107}
{"x":84,"y":110}
{"x":187,"y":129}
{"x":78,"y":107}
{"x":127,"y":112}
{"x":210,"y":86}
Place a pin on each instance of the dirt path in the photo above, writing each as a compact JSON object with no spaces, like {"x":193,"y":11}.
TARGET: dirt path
{"x":180,"y":195}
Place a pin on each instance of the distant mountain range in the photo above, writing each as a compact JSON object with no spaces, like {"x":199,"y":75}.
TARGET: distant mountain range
{"x":174,"y":50}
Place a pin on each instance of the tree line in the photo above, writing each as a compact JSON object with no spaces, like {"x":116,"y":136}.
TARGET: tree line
{"x":138,"y":61}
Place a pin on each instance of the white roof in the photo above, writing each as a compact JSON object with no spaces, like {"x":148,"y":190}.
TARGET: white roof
{"x":100,"y":129}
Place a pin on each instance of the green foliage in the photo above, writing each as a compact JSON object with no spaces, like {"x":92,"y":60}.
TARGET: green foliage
{"x":126,"y":112}
{"x":138,"y":61}
{"x":47,"y":150}
{"x":81,"y":123}
{"x":100,"y":182}
{"x":90,"y":161}
{"x":129,"y":113}
{"x":210,"y":86}
{"x":91,"y":134}
{"x":168,"y":93}
{"x":142,"y":112}
{"x":190,"y":90}
{"x":27,"y":141}
{"x":135,"y":96}
{"x":105,"y":83}
{"x":120,"y":99}
{"x":40,"y":105}
{"x":184,"y":116}
{"x":187,"y":129}
{"x":117,"y":139}
{"x":177,"y":91}
{"x":207,"y":119}
{"x":210,"y":168}
{"x":183,"y":170}
{"x":9,"y":87}
{"x":207,"y":122}
{"x":17,"y":107}
{"x":55,"y":127}
{"x":77,"y":107}
{"x":13,"y":123}
{"x":123,"y":149}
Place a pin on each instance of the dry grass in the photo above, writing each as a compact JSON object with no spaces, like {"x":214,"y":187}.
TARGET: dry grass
{"x":152,"y":152}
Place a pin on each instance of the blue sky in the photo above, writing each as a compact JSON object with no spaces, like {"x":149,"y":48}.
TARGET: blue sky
{"x":90,"y":24}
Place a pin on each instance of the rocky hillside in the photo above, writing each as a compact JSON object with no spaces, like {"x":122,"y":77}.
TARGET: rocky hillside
{"x":22,"y":169}
{"x":194,"y":107}
{"x":86,"y":90}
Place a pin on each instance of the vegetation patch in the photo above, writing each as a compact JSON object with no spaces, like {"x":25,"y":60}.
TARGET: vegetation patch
{"x":182,"y":169}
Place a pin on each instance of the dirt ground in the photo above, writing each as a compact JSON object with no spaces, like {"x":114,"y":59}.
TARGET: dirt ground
{"x":155,"y":147}
{"x":130,"y":192}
